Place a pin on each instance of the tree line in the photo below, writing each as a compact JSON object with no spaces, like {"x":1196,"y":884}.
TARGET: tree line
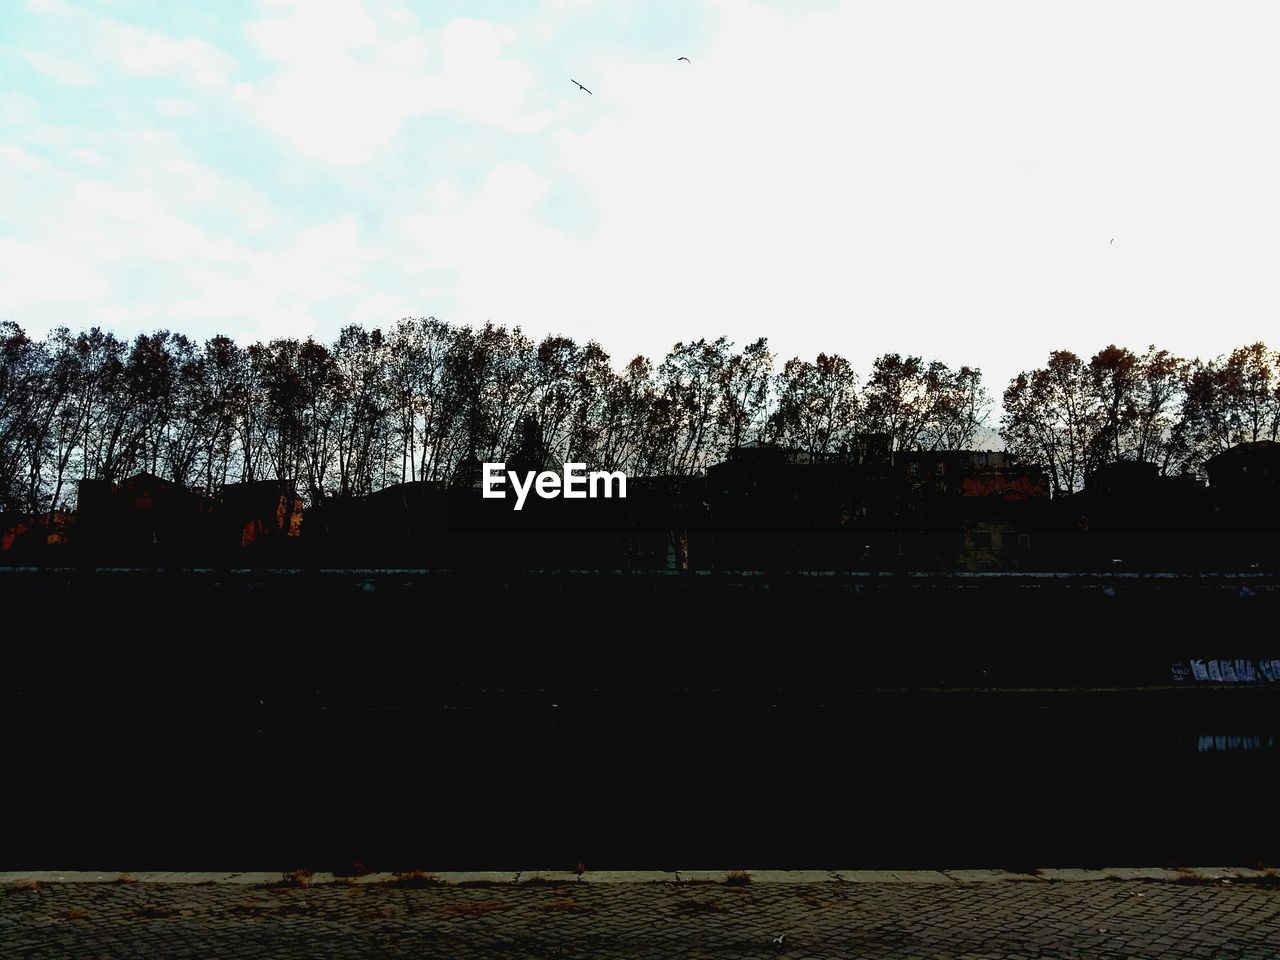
{"x":1072,"y":416}
{"x":423,"y":399}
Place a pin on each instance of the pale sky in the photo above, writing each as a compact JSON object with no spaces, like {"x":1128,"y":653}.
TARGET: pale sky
{"x":939,"y":178}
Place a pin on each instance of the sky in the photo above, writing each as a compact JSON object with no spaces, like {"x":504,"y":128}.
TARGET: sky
{"x":974,"y":182}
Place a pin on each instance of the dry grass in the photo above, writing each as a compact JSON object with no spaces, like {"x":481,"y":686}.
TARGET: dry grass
{"x":356,"y":868}
{"x":26,"y":885}
{"x":737,"y":878}
{"x":701,"y":906}
{"x":294,"y":878}
{"x":125,"y":878}
{"x":73,"y":913}
{"x":247,"y":906}
{"x":414,"y":878}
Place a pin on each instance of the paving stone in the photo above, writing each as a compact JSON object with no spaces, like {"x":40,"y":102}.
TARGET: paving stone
{"x":822,"y":917}
{"x":988,"y":876}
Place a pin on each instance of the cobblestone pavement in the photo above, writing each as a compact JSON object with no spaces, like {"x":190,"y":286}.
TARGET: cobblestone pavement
{"x":421,"y":918}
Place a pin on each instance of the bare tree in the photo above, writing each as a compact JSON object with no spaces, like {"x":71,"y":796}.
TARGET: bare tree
{"x":817,"y":404}
{"x":1052,"y":418}
{"x":744,"y":386}
{"x":1229,"y":400}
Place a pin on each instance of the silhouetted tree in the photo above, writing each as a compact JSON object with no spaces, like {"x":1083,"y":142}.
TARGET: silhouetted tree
{"x":220,"y":369}
{"x":1229,"y":400}
{"x":817,"y":404}
{"x":689,"y":385}
{"x":1072,"y":418}
{"x":360,"y":404}
{"x":372,"y":409}
{"x":744,"y":386}
{"x":624,"y":435}
{"x":958,"y":407}
{"x":1052,"y":419}
{"x":1157,"y":396}
{"x":22,"y":364}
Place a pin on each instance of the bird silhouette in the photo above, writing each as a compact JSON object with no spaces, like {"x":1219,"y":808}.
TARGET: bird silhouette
{"x":685,"y":59}
{"x":1113,"y":240}
{"x":580,"y":86}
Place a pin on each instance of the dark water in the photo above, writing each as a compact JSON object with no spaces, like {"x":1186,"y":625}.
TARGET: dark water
{"x":858,"y":780}
{"x":158,"y":724}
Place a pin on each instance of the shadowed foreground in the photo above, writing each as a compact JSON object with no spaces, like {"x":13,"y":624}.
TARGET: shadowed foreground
{"x":266,"y":720}
{"x":827,"y":918}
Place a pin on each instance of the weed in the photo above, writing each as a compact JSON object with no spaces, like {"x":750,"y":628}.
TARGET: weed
{"x":294,"y":878}
{"x":414,"y":878}
{"x":355,"y":868}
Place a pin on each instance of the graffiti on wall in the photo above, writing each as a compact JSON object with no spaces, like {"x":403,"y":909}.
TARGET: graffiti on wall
{"x":1228,"y":671}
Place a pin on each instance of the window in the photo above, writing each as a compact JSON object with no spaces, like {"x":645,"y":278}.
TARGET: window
{"x":982,"y":540}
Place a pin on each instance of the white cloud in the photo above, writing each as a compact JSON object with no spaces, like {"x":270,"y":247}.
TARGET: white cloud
{"x":86,"y":156}
{"x":506,"y":265}
{"x":348,"y":77}
{"x":51,"y":7}
{"x":151,"y":53}
{"x":322,"y":262}
{"x":49,"y":136}
{"x":380,"y":310}
{"x":145,"y":239}
{"x":174,"y":107}
{"x":314,"y":32}
{"x":287,"y":291}
{"x":64,"y":71}
{"x":18,"y":109}
{"x":35,"y":273}
{"x":856,"y":178}
{"x":861,"y":180}
{"x":19,"y":159}
{"x":479,"y":79}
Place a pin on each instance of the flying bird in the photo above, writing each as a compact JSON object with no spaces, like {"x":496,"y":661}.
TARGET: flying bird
{"x":685,"y":59}
{"x":580,"y":86}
